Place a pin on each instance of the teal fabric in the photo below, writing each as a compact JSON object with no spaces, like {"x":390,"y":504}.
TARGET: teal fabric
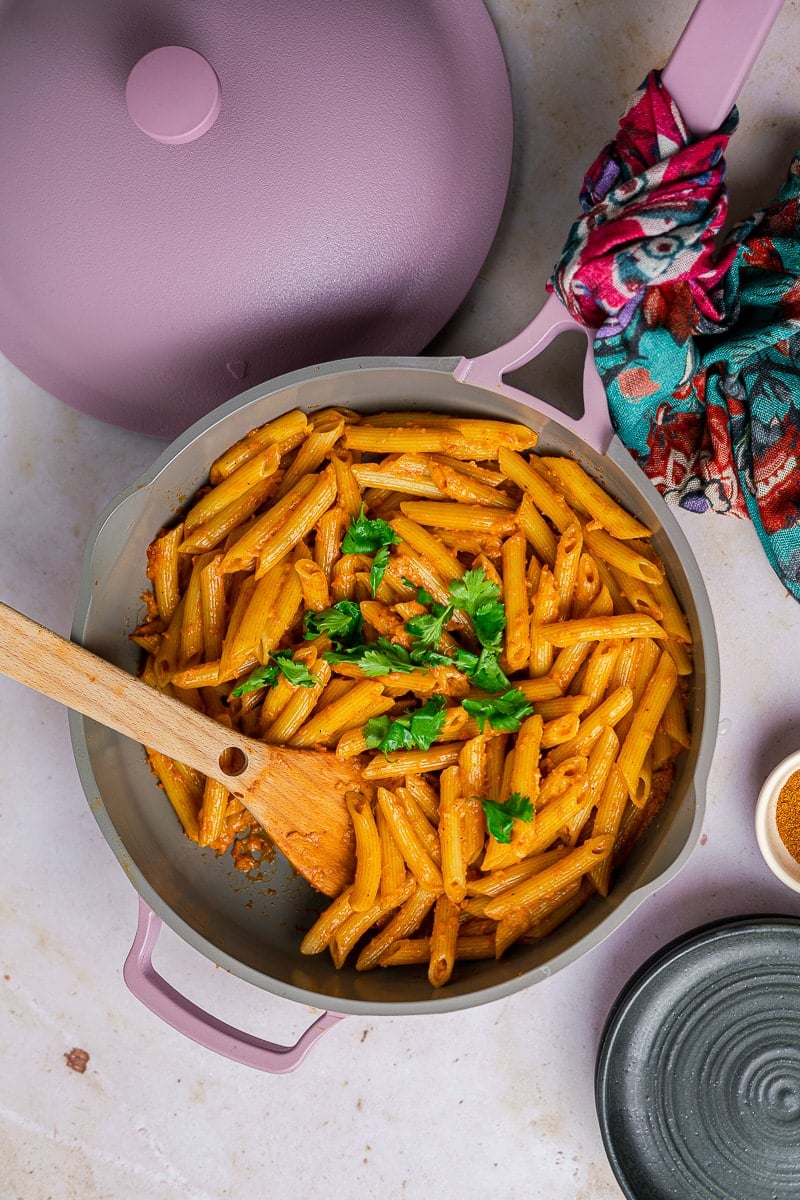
{"x":713,"y":416}
{"x":698,"y":345}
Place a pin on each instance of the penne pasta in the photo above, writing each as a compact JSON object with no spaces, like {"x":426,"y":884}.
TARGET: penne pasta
{"x":552,"y":879}
{"x":405,"y":922}
{"x":368,"y":857}
{"x":596,"y":629}
{"x":415,"y":853}
{"x":162,"y":571}
{"x":443,"y":941}
{"x":515,"y":594}
{"x":285,"y":432}
{"x":549,"y":503}
{"x":585,"y":495}
{"x":452,"y":835}
{"x":485,"y":632}
{"x":644,"y":723}
{"x":230,"y":490}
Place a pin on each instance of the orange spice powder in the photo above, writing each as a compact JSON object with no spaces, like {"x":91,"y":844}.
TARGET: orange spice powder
{"x":787,"y":815}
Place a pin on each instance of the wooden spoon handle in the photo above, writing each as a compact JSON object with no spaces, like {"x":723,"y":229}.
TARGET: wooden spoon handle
{"x":66,"y":672}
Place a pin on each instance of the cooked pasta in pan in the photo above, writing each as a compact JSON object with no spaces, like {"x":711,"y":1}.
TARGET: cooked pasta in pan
{"x":486,"y":630}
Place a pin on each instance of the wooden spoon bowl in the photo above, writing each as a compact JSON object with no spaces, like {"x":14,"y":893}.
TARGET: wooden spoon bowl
{"x":297,"y":796}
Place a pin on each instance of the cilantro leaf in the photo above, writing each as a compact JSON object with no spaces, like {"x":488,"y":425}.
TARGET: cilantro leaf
{"x":487,"y":673}
{"x":296,"y":673}
{"x":378,"y":569}
{"x":490,"y":622}
{"x":479,"y":598}
{"x":473,"y":590}
{"x":384,"y":657}
{"x":376,"y":731}
{"x":504,"y":713}
{"x":262,"y":677}
{"x":423,"y":597}
{"x":416,"y":729}
{"x":483,"y":669}
{"x":500,"y":817}
{"x":342,"y":622}
{"x":378,"y":658}
{"x":365,"y":536}
{"x":426,"y":656}
{"x":429,"y":627}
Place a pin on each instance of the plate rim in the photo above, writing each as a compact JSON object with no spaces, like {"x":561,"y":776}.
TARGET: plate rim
{"x":700,"y":935}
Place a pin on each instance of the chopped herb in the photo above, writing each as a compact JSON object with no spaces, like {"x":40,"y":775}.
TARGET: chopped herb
{"x":479,"y":598}
{"x":342,"y":623}
{"x":378,"y":658}
{"x":423,"y":597}
{"x":490,"y":623}
{"x":429,"y":627}
{"x":296,"y":673}
{"x":365,"y":536}
{"x":426,"y":656}
{"x":483,"y":669}
{"x":503,"y":712}
{"x":500,"y":817}
{"x":473,"y":590}
{"x":378,"y":569}
{"x":416,"y":729}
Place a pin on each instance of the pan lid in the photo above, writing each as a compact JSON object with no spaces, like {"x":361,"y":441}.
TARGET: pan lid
{"x":698,"y":1073}
{"x":199,"y":196}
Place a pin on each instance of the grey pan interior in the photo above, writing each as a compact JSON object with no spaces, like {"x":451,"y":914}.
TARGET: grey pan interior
{"x":253,"y":928}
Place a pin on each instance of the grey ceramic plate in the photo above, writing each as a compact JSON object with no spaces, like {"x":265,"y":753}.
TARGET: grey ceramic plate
{"x":698,"y":1072}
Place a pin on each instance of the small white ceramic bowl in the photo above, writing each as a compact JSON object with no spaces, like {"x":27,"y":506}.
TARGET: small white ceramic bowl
{"x":776,"y":856}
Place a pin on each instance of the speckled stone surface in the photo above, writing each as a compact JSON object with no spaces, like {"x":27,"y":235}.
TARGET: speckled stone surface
{"x":495,"y":1102}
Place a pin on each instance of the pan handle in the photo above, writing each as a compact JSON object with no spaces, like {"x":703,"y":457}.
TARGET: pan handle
{"x":704,"y":75}
{"x":713,"y":57}
{"x":193,"y":1022}
{"x":552,"y":319}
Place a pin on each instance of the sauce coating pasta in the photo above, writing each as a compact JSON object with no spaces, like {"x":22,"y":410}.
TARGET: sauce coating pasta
{"x":486,"y":630}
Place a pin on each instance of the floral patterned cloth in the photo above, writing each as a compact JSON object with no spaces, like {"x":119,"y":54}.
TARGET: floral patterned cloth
{"x":698,"y":347}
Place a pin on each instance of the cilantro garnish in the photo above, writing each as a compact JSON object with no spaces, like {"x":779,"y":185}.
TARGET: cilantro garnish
{"x":479,"y":598}
{"x":426,"y":656}
{"x":483,"y":669}
{"x":267,"y":675}
{"x":504,"y":713}
{"x":365,"y":536}
{"x":423,"y":597}
{"x":342,"y":622}
{"x":416,"y":729}
{"x":378,"y":658}
{"x":500,"y":817}
{"x":378,"y":569}
{"x":429,"y":627}
{"x":370,"y":536}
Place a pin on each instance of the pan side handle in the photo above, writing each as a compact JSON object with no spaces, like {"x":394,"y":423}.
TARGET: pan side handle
{"x":714,"y":56}
{"x":552,"y":319}
{"x":195,"y":1023}
{"x":704,"y":75}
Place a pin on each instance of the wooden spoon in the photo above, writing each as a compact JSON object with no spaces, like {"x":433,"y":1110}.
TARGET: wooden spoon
{"x":297,"y":796}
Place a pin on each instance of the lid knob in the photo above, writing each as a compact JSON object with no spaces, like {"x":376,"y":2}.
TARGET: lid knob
{"x":173,"y":95}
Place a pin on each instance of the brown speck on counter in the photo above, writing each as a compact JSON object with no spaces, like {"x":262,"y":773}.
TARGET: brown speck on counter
{"x":77,"y":1059}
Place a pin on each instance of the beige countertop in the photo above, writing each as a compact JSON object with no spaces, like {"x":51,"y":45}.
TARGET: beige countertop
{"x":496,"y":1101}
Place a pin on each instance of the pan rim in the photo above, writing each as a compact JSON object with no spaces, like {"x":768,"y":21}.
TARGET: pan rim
{"x":436,"y":1002}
